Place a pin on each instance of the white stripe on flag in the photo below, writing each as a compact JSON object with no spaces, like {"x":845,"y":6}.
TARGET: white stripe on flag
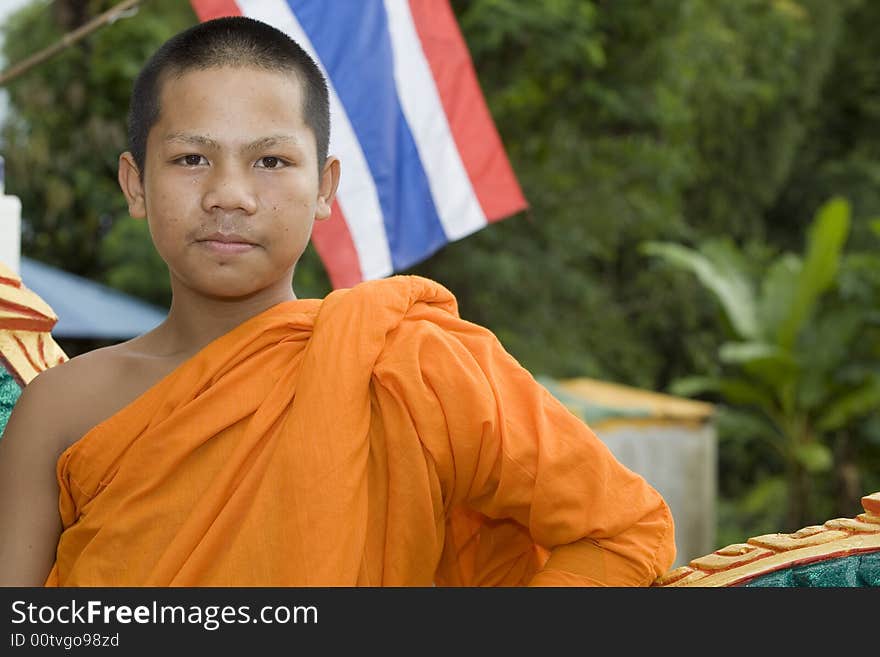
{"x":457,"y":204}
{"x":357,"y":195}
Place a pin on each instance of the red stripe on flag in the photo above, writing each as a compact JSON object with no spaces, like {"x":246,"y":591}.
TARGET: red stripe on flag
{"x":208,"y":9}
{"x":473,"y":129}
{"x":334,"y":244}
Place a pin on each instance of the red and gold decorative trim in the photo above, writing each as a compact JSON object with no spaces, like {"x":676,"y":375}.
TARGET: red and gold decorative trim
{"x":26,"y":345}
{"x":738,"y":563}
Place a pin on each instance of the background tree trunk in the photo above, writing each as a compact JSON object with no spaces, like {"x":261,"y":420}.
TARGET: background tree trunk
{"x":847,"y":477}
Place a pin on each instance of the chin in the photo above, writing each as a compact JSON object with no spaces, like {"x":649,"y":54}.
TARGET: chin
{"x":232,"y":293}
{"x":230,"y":284}
{"x":224,"y":291}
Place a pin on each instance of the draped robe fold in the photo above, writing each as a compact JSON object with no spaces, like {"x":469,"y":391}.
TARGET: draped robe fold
{"x":372,"y":438}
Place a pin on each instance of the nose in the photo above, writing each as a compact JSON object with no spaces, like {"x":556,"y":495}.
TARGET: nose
{"x":230,"y":190}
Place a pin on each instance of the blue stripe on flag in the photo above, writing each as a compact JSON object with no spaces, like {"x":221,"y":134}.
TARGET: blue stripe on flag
{"x":353,"y":43}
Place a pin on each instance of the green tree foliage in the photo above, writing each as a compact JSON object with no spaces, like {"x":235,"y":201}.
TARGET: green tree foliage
{"x":840,"y":151}
{"x":577,"y":106}
{"x":132,"y":263}
{"x":788,"y":363}
{"x":630,"y":121}
{"x":66,"y":130}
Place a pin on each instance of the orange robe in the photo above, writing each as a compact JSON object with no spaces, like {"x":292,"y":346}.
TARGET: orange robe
{"x":372,"y":438}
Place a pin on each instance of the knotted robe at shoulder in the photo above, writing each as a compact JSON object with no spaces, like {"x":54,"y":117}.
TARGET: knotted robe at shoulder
{"x":372,"y":438}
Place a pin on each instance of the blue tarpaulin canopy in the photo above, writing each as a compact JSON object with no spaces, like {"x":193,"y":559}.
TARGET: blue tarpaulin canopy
{"x":87,"y":309}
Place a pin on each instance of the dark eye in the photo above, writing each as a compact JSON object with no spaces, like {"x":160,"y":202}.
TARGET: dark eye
{"x":270,"y":162}
{"x":192,"y":160}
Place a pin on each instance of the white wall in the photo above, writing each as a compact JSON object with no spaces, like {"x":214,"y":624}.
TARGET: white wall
{"x":10,"y":232}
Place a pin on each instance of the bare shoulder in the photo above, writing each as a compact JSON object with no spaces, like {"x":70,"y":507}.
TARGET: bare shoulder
{"x":35,"y":433}
{"x":66,"y":400}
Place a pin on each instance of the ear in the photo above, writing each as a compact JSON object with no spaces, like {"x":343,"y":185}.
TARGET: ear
{"x":132,"y":185}
{"x":327,"y":189}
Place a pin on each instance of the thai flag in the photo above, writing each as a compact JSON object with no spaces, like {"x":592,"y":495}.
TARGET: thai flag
{"x":422,"y":161}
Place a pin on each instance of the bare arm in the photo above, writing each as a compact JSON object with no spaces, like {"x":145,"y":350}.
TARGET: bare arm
{"x":30,"y":524}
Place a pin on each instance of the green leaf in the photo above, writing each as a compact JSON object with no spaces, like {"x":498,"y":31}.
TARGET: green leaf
{"x":747,"y":352}
{"x":743,"y":392}
{"x":855,"y":403}
{"x":826,"y":344}
{"x":691,"y":386}
{"x":743,"y":425}
{"x":734,"y":391}
{"x":825,"y":240}
{"x":768,"y":363}
{"x":730,"y":286}
{"x":815,"y":457}
{"x":768,"y":493}
{"x":778,"y":291}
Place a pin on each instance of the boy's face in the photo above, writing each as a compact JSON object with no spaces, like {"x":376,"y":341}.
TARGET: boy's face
{"x":231,"y":184}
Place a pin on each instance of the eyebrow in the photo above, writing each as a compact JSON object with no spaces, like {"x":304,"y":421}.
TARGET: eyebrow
{"x":259,"y":144}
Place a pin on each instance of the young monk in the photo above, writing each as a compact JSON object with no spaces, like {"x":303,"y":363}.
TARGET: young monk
{"x":255,"y":439}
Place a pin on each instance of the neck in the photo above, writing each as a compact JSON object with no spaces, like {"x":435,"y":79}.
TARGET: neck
{"x":195,"y":320}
